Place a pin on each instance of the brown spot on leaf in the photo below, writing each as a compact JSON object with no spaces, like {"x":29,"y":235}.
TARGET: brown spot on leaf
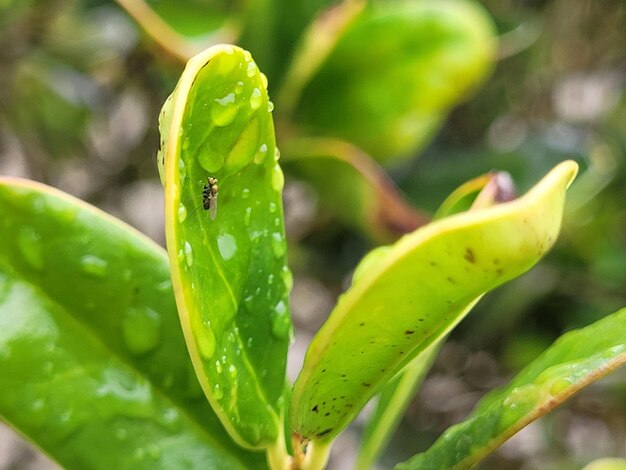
{"x":469,"y":256}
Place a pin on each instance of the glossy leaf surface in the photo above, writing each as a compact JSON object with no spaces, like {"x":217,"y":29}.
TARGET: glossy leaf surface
{"x":393,"y":401}
{"x":407,"y":296}
{"x":576,"y":359}
{"x":228,"y":266}
{"x":93,"y":360}
{"x":370,"y":202}
{"x":395,"y":73}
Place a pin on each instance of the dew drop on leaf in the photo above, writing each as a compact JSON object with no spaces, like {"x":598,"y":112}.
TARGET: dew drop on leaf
{"x":224,"y":110}
{"x":141,"y":329}
{"x":278,"y":244}
{"x":93,"y":266}
{"x":252,"y":69}
{"x":227,"y":246}
{"x":182,"y":213}
{"x":256,"y":98}
{"x":263,"y":80}
{"x":217,"y":392}
{"x":206,"y":343}
{"x":287,"y":278}
{"x":29,"y":244}
{"x":188,"y":254}
{"x":261,"y":155}
{"x":281,"y":323}
{"x":153,"y":451}
{"x":278,"y":179}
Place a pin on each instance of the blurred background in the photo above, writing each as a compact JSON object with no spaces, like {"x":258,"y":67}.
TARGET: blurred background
{"x":81,"y":86}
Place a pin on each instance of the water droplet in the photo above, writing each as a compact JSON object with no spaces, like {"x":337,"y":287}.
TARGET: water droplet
{"x":206,"y":343}
{"x":261,"y":154}
{"x":270,"y":106}
{"x":249,"y":342}
{"x":273,"y":207}
{"x":276,"y":154}
{"x":188,"y":254}
{"x":38,"y":405}
{"x":139,"y":453}
{"x":29,"y":244}
{"x":153,"y":451}
{"x":560,"y":385}
{"x":278,"y":244}
{"x":281,"y":323}
{"x":245,"y":193}
{"x":287,"y":278}
{"x":247,"y":56}
{"x":224,"y":111}
{"x":141,"y":328}
{"x":182,"y":213}
{"x":182,"y":170}
{"x":181,"y":255}
{"x":186,"y":143}
{"x":227,"y":246}
{"x":270,"y":279}
{"x":256,"y":99}
{"x":248,"y":302}
{"x":239,"y":87}
{"x":263,"y":80}
{"x":170,"y":418}
{"x":217,"y":392}
{"x":94,"y":266}
{"x":218,"y":366}
{"x":252,"y":69}
{"x":247,"y":215}
{"x":278,"y":179}
{"x":232,"y":371}
{"x":121,"y":433}
{"x":164,"y":286}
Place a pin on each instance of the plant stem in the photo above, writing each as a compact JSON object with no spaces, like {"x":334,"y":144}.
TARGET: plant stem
{"x":317,"y":455}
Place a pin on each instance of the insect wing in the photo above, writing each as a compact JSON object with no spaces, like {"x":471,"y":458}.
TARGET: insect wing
{"x":213,"y":207}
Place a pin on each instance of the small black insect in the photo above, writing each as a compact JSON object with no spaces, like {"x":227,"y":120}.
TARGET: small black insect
{"x":209,"y":196}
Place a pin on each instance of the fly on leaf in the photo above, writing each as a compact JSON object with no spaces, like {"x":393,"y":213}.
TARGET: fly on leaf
{"x":209,"y":197}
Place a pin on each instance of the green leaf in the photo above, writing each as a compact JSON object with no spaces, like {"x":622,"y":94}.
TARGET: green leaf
{"x":575,"y":360}
{"x":94,"y":367}
{"x":393,"y":401}
{"x":230,"y":275}
{"x":370,"y":202}
{"x":479,"y":193}
{"x":408,"y":296}
{"x":395,"y":73}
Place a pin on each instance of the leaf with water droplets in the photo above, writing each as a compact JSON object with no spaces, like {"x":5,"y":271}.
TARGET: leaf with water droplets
{"x":575,"y":360}
{"x":230,"y":289}
{"x":94,"y":365}
{"x":406,"y":297}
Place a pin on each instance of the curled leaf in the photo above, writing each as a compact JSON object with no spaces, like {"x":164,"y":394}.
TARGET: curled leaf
{"x":413,"y":294}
